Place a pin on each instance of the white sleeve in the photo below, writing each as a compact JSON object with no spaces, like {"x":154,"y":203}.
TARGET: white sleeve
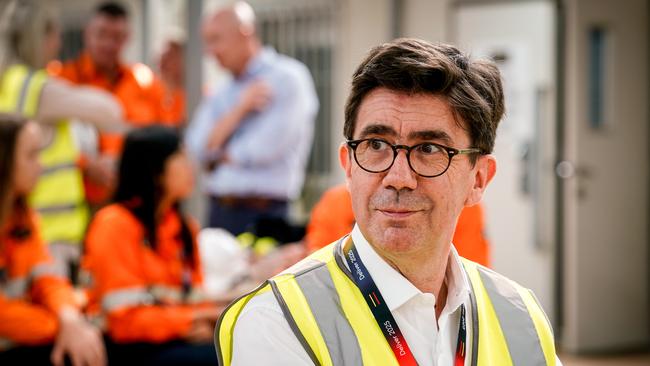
{"x":262,"y":336}
{"x":61,"y":99}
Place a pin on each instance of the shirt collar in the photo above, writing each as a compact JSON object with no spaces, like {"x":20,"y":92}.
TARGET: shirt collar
{"x":256,"y":64}
{"x":458,"y":286}
{"x":396,"y":289}
{"x":89,"y":69}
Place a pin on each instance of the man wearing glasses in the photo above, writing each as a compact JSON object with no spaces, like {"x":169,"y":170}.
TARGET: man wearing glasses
{"x":420,"y":123}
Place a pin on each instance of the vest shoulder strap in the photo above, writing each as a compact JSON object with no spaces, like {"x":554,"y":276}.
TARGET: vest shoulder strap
{"x":21,"y":89}
{"x":223,"y":333}
{"x":323,"y":301}
{"x":512,"y":327}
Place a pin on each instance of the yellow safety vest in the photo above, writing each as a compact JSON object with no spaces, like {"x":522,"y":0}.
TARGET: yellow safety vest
{"x":330,"y":318}
{"x":59,"y":194}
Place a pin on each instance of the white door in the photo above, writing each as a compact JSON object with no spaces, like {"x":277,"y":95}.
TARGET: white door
{"x":606,"y":148}
{"x":520,"y":36}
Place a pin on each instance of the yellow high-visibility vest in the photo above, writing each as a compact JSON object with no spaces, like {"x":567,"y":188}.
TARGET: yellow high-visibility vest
{"x":332,"y":321}
{"x":59,"y":194}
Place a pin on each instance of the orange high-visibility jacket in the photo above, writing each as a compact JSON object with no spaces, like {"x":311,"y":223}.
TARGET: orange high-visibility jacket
{"x":32,"y":288}
{"x":172,"y":104}
{"x":470,"y":238}
{"x":134,"y":88}
{"x":332,"y":217}
{"x":138,"y":290}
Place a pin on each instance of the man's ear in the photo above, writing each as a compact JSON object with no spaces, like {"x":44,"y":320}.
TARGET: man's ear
{"x":345,"y":159}
{"x":486,"y":167}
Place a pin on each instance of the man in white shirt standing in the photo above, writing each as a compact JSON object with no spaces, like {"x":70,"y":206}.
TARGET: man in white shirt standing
{"x":420,"y":124}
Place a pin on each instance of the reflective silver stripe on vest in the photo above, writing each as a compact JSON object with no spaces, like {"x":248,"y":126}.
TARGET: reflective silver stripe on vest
{"x":58,"y":167}
{"x":292,"y":322}
{"x":318,"y":287}
{"x":474,"y":325}
{"x":57,"y":208}
{"x":22,"y":99}
{"x":517,"y":326}
{"x":127,"y":297}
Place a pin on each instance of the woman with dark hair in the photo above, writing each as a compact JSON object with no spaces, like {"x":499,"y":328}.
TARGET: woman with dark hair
{"x":142,"y":259}
{"x":40,"y":321}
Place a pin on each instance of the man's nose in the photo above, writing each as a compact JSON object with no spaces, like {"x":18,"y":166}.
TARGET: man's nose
{"x":400,"y":175}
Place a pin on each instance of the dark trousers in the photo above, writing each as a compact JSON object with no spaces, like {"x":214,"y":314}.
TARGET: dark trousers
{"x":176,"y":353}
{"x":238,"y":215}
{"x":33,"y":355}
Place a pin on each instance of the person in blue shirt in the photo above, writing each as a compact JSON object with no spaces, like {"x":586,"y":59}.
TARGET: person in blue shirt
{"x":255,"y":133}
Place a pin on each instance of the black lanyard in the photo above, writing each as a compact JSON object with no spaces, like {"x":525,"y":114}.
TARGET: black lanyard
{"x":384,"y":317}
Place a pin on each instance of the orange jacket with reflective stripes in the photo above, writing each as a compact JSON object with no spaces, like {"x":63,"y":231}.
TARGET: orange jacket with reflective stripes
{"x":136,"y":288}
{"x":32,"y":290}
{"x":332,"y":217}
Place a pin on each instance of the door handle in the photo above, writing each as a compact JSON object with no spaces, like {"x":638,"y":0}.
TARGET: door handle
{"x":566,"y":170}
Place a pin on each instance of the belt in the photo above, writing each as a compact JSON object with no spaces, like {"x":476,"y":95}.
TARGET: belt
{"x":252,"y":202}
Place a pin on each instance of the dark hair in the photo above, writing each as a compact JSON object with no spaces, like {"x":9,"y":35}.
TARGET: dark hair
{"x":139,"y":187}
{"x":472,"y":88}
{"x":112,"y":9}
{"x":10,"y":127}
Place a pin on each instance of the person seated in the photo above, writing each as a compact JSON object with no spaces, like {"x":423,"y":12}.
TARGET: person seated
{"x":40,"y":321}
{"x":142,"y":261}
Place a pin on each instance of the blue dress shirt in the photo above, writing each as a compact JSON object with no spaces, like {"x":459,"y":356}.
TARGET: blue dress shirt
{"x":268,"y":152}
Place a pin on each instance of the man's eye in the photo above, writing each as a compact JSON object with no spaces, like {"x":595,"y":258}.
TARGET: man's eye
{"x":377,"y":144}
{"x":428,"y":149}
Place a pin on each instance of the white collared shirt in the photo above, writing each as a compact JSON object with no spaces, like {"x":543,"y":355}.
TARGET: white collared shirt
{"x":432,"y":343}
{"x":263,"y":335}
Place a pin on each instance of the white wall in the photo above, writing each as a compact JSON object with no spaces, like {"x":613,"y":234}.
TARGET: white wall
{"x":363,"y":24}
{"x":428,"y":20}
{"x":519,"y":224}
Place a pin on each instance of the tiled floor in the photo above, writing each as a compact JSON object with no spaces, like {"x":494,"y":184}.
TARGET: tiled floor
{"x":620,"y":360}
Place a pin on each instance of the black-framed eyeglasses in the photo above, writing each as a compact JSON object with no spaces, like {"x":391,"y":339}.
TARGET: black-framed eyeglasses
{"x":427,"y":159}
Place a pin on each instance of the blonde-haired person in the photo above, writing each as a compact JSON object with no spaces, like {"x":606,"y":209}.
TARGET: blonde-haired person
{"x":40,"y":321}
{"x":29,"y":38}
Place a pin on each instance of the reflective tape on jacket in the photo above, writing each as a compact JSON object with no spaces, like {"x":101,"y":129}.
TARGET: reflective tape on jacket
{"x":17,"y":287}
{"x":50,"y":269}
{"x":59,"y":193}
{"x":137,"y":296}
{"x":128,"y":297}
{"x":321,"y":304}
